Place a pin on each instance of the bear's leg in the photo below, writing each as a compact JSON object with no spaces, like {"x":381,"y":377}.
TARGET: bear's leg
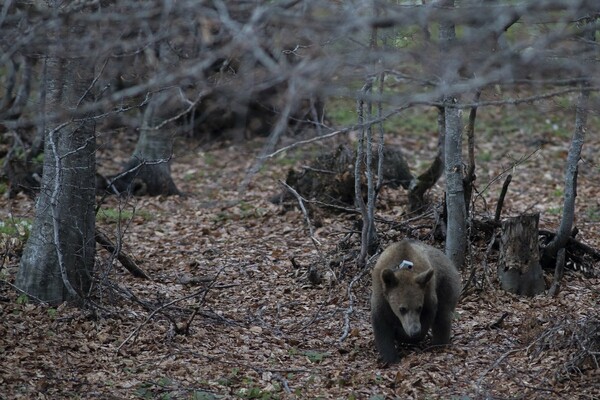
{"x":385,"y":340}
{"x":441,"y":327}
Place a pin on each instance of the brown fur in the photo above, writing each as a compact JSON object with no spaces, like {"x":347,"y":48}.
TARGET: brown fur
{"x":406,"y":303}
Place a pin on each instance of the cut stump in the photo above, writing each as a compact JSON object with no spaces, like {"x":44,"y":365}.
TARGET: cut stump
{"x":519,"y":269}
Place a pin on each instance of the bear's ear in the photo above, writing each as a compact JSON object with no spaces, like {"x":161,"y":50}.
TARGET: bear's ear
{"x":424,"y":277}
{"x":389,"y":279}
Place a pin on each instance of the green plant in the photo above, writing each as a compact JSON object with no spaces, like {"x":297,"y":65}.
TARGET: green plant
{"x":202,"y":395}
{"x":164,"y":381}
{"x":555,"y":210}
{"x":22,"y":299}
{"x":484,"y":156}
{"x":113,"y":215}
{"x":39,"y":158}
{"x":18,"y":228}
{"x":52,"y":312}
{"x":593,"y":214}
{"x":144,"y":391}
{"x":229,"y":379}
{"x":315,"y":356}
{"x":209,"y":159}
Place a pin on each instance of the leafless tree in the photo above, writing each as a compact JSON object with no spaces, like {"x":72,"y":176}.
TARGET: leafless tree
{"x":58,"y":260}
{"x":204,"y":68}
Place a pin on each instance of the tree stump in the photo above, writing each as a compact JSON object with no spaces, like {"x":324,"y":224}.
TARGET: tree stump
{"x":519,"y":269}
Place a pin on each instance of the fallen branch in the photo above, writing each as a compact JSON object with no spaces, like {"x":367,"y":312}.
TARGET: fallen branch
{"x":125,"y":259}
{"x":575,"y":243}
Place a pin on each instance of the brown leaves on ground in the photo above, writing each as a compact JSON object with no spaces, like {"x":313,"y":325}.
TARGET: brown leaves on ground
{"x":263,"y":330}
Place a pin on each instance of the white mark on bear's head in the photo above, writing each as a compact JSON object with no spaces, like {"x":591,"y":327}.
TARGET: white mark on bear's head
{"x":405,"y":292}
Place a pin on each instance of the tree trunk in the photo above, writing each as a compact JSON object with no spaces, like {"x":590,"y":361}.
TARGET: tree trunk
{"x":571,"y":169}
{"x":456,"y":233}
{"x":519,"y":269}
{"x":58,"y":259}
{"x":148,"y":171}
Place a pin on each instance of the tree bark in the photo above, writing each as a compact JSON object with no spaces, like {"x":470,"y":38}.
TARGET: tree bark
{"x":519,"y":269}
{"x":58,"y":259}
{"x":148,"y":172}
{"x":456,"y":233}
{"x":571,"y":169}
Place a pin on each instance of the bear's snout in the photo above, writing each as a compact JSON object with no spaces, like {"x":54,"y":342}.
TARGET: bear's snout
{"x":414,"y":330}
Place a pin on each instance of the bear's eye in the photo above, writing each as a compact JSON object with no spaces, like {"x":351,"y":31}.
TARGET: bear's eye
{"x":403,"y":310}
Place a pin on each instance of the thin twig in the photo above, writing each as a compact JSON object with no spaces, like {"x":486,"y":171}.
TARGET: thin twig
{"x":301,"y":200}
{"x":350,"y":309}
{"x":186,"y":329}
{"x":159,"y":309}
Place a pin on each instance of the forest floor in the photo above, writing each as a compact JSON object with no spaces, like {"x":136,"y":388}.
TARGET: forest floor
{"x":220,"y":262}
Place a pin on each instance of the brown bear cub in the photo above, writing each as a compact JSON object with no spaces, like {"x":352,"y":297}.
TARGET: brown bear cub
{"x":415,"y":287}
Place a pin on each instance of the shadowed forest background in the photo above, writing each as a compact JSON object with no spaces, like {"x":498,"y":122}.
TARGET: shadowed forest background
{"x":194,"y":193}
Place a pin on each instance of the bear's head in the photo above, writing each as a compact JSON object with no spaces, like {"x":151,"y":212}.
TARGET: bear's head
{"x":405,"y":290}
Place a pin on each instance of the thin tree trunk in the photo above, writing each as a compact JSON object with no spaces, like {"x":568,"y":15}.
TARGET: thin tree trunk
{"x":456,"y":235}
{"x":571,"y":169}
{"x":358,"y":171}
{"x":566,"y":223}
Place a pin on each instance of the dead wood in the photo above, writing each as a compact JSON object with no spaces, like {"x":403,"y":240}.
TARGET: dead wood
{"x":500,"y":203}
{"x":580,"y":339}
{"x":125,"y":259}
{"x":329,"y":178}
{"x":578,"y":256}
{"x":519,"y":269}
{"x":424,"y":182}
